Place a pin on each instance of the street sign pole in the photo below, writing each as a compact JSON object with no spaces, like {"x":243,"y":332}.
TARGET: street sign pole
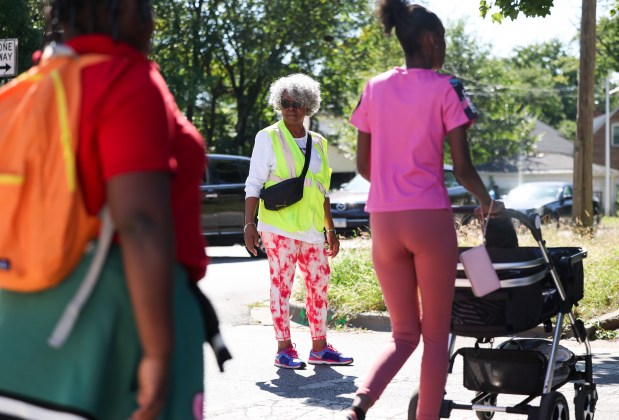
{"x":8,"y":57}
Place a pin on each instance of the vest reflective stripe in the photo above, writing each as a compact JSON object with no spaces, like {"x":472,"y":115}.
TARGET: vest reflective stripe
{"x":287,"y":154}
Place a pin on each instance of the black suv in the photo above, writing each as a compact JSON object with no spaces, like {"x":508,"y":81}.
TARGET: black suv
{"x":223,"y":200}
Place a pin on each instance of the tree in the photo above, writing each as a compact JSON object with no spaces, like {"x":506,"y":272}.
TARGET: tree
{"x":545,"y":76}
{"x":511,"y":9}
{"x":607,"y":55}
{"x":22,"y":19}
{"x":505,"y":122}
{"x":230,"y":53}
{"x":582,"y":210}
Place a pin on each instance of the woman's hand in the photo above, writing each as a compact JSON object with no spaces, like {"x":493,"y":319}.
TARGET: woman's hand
{"x":334,"y":243}
{"x":153,"y":374}
{"x":250,"y":233}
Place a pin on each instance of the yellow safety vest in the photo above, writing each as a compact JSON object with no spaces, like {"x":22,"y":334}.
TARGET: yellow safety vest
{"x":289,"y":163}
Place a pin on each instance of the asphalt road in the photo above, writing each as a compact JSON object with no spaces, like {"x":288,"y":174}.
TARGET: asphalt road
{"x":252,"y":388}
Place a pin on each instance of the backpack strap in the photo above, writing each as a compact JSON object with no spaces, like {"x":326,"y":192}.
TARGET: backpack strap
{"x":71,"y":313}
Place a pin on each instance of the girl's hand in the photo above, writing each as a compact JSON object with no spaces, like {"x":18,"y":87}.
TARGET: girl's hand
{"x":153,"y":374}
{"x":489,"y":210}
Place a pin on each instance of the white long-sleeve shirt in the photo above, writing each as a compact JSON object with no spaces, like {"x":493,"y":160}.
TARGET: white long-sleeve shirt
{"x":263,"y":165}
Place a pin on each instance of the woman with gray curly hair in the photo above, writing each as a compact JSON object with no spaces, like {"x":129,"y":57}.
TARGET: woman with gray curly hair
{"x":294,"y":234}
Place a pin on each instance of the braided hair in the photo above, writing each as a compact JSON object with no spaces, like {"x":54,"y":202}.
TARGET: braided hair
{"x":71,"y":13}
{"x":410,"y":21}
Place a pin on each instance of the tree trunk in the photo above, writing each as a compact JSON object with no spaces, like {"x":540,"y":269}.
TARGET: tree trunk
{"x":583,"y":146}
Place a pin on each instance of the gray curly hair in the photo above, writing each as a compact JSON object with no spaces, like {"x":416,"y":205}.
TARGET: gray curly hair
{"x":301,"y":87}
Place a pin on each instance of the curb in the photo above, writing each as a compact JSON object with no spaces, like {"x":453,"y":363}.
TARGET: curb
{"x":375,"y":321}
{"x":379,"y":321}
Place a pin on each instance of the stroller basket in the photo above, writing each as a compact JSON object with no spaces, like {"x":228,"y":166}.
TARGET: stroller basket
{"x":515,"y":367}
{"x":527,"y":297}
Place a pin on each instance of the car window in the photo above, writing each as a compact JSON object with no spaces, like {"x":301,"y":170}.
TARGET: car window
{"x":567,"y":192}
{"x":226,"y":172}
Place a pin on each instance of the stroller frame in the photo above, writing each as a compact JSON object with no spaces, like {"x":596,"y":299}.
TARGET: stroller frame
{"x":552,"y":403}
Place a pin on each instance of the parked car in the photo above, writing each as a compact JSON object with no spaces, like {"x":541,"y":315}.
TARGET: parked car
{"x":223,"y":200}
{"x":551,"y":200}
{"x":348,"y":203}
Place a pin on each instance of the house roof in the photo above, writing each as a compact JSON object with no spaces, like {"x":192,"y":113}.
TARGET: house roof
{"x":600,"y":120}
{"x":553,"y":154}
{"x":551,"y":141}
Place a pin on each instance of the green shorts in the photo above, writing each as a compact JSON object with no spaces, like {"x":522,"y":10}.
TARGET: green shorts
{"x":93,"y":375}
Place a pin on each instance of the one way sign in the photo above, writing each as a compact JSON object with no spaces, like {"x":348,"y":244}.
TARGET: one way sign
{"x":8,"y":57}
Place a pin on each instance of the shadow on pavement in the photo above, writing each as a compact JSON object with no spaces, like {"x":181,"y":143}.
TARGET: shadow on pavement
{"x":325,"y":381}
{"x":605,"y":368}
{"x":229,"y":260}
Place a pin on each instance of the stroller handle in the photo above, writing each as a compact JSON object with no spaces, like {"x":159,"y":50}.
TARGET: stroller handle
{"x":531,"y":221}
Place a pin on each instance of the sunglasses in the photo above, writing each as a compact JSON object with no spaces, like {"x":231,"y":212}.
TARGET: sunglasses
{"x":285,"y":103}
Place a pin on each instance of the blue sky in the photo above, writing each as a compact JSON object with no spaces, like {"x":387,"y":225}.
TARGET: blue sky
{"x":562,"y":23}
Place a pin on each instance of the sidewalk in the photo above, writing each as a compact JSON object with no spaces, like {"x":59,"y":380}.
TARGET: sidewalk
{"x":251,"y":388}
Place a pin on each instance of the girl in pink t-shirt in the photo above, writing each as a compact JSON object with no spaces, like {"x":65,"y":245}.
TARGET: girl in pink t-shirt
{"x":402,"y":119}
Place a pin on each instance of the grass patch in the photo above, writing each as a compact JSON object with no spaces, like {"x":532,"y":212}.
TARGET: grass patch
{"x":354,"y":288}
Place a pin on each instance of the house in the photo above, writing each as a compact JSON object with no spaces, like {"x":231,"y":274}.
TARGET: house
{"x":599,"y":139}
{"x":552,"y":160}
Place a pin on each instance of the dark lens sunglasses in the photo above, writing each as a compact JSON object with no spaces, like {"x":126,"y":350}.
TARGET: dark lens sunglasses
{"x":285,"y":103}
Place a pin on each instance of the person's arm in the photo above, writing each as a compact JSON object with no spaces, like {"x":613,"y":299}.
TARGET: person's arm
{"x":141,"y":210}
{"x":465,"y":171}
{"x":363,"y":153}
{"x":332,"y":239}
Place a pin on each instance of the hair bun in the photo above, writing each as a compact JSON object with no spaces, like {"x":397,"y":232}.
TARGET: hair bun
{"x":389,"y":11}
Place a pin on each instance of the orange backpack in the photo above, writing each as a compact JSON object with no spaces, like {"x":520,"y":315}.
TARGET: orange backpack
{"x":44,"y":225}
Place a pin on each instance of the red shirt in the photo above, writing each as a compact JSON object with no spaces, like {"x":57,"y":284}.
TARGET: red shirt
{"x":130,"y":123}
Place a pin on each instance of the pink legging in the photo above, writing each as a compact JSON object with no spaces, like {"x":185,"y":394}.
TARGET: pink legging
{"x":283,"y":254}
{"x":415,"y":255}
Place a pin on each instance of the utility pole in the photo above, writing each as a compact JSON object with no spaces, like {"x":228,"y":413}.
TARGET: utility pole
{"x":583,"y":146}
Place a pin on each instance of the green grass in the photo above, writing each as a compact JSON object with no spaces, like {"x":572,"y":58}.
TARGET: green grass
{"x":354,"y":288}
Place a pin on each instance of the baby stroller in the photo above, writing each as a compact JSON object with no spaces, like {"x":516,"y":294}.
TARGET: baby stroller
{"x":537,"y":284}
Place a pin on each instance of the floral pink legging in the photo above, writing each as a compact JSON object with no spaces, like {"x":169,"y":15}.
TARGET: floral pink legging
{"x":284,"y":254}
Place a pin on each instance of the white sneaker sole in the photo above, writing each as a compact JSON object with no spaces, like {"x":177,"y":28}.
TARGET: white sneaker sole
{"x":328,"y":362}
{"x":301,"y":366}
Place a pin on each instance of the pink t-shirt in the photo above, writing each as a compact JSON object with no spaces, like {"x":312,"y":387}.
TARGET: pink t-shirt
{"x":408,"y":113}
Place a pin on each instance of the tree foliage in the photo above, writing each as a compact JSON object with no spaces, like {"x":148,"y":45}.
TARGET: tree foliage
{"x":23,"y":20}
{"x":607,"y":56}
{"x":505,"y":122}
{"x":220,"y":57}
{"x":545,"y":76}
{"x":511,"y":9}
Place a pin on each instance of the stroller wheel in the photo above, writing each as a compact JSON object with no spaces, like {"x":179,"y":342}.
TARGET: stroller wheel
{"x":489,"y":400}
{"x":584,"y":404}
{"x":412,"y":405}
{"x":554,"y":407}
